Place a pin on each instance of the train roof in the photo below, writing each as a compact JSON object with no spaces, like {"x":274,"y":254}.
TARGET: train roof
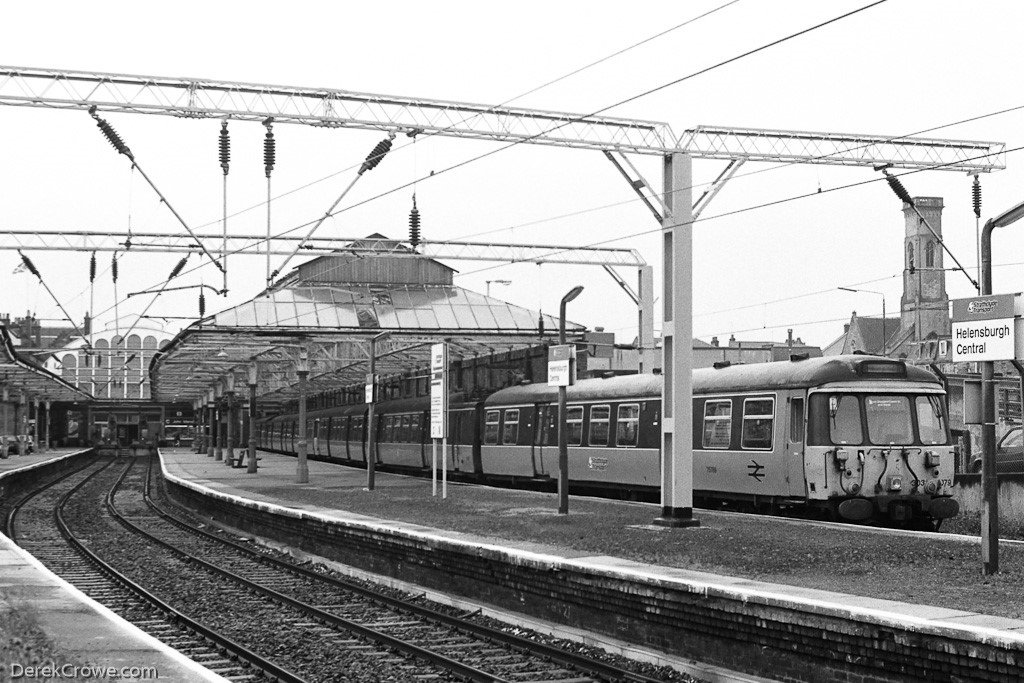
{"x":791,"y":374}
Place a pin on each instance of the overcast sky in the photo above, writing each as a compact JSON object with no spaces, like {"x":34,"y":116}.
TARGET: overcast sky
{"x":898,"y":68}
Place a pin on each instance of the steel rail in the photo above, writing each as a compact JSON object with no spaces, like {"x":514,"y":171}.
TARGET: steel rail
{"x":457,"y":668}
{"x":105,"y":568}
{"x":578,"y":662}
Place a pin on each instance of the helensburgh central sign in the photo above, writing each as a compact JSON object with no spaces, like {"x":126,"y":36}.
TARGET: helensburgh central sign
{"x":984,"y":328}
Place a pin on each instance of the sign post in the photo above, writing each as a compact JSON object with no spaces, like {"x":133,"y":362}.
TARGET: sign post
{"x":439,"y":413}
{"x":562,"y":373}
{"x":984,"y":330}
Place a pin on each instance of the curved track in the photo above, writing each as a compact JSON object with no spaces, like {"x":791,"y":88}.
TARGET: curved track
{"x":306,"y":622}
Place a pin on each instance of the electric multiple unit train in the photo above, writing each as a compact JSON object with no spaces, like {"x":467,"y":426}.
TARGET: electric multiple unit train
{"x":854,"y":437}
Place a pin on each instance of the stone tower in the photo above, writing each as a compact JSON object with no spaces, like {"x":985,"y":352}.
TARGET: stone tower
{"x":925,"y":305}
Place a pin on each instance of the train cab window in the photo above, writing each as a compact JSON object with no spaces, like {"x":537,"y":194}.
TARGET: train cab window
{"x":931,"y":420}
{"x":758,"y":423}
{"x":600,"y":416}
{"x":491,"y":420}
{"x":627,"y":425}
{"x":717,"y":424}
{"x":574,"y":425}
{"x":510,"y":430}
{"x":844,"y":420}
{"x":889,"y":419}
{"x":796,"y":420}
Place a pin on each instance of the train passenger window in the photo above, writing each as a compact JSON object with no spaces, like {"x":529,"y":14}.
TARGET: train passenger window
{"x":717,"y":424}
{"x":574,"y":425}
{"x":491,"y":420}
{"x":627,"y":426}
{"x":931,"y":420}
{"x":796,"y":420}
{"x":600,"y":416}
{"x":510,"y":431}
{"x":403,"y":434}
{"x":758,"y":423}
{"x":415,"y":429}
{"x":388,"y":432}
{"x":888,"y":419}
{"x":357,"y":428}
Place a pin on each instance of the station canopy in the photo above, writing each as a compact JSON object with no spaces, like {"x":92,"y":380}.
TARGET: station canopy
{"x":333,"y":310}
{"x":20,"y":375}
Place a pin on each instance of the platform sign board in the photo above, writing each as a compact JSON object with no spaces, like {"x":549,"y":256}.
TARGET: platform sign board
{"x":369,"y":389}
{"x":438,"y":390}
{"x":983,"y":328}
{"x":561,"y":362}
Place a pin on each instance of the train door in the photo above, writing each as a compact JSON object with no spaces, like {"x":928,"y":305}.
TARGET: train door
{"x":795,"y":446}
{"x":545,"y":439}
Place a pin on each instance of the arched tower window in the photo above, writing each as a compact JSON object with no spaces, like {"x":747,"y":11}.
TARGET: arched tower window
{"x":929,"y":254}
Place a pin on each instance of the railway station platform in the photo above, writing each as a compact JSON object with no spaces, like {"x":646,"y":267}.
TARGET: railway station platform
{"x":90,"y":641}
{"x":758,"y":594}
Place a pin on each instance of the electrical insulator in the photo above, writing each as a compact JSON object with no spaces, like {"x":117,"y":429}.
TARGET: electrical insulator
{"x":376,"y":155}
{"x":112,"y":137}
{"x":898,"y":188}
{"x":414,"y":224}
{"x":28,"y":264}
{"x":113,"y":268}
{"x":976,"y":195}
{"x":225,"y":147}
{"x":177,"y":268}
{"x":269,"y":148}
{"x":92,"y":267}
{"x":202,"y":304}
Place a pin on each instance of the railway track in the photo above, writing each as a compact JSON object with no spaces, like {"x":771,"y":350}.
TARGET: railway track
{"x":38,"y":523}
{"x":316,"y":626}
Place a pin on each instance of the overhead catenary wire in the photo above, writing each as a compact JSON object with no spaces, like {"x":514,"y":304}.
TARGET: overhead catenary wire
{"x":121,"y":148}
{"x":35,"y":271}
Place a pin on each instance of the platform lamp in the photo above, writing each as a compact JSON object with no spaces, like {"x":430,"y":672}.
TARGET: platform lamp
{"x":371,"y":398}
{"x":989,"y":483}
{"x":869,"y":291}
{"x":251,"y":469}
{"x":302,"y":370}
{"x":218,"y":395}
{"x":229,"y":422}
{"x":563,"y":437}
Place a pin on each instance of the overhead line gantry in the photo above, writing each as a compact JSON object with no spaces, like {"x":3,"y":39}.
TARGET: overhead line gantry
{"x":671,"y":204}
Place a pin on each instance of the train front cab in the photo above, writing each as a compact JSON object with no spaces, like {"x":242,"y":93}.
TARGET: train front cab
{"x":880,"y":451}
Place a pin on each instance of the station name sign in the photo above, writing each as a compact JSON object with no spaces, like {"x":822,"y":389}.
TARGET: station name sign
{"x":561,"y":365}
{"x":984,"y":328}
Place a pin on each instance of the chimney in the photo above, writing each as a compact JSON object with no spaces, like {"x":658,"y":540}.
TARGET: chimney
{"x":714,"y":341}
{"x":732,"y":340}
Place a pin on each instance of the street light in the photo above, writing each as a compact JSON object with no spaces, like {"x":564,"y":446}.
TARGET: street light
{"x":563,"y":437}
{"x":870,"y":291}
{"x":989,"y":483}
{"x":497,"y":282}
{"x":371,"y":398}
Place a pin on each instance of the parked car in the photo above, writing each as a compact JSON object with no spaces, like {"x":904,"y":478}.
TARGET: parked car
{"x":1009,"y":453}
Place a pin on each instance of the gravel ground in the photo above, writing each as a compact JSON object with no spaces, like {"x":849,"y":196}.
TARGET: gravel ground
{"x":912,"y":568}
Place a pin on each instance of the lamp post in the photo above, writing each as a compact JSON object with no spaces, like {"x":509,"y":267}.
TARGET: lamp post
{"x":302,"y":369}
{"x":251,"y":469}
{"x":218,"y":433}
{"x":229,"y":431}
{"x":989,"y":483}
{"x":871,"y":291}
{"x":497,"y":282}
{"x":563,"y":437}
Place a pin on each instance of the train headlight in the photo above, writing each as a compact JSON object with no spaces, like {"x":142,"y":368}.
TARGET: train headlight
{"x":895,"y":483}
{"x":841,"y":457}
{"x":932,"y":458}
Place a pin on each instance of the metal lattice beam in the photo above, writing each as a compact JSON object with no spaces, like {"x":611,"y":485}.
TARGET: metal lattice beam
{"x":328,"y":107}
{"x":109,"y":241}
{"x":712,"y":142}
